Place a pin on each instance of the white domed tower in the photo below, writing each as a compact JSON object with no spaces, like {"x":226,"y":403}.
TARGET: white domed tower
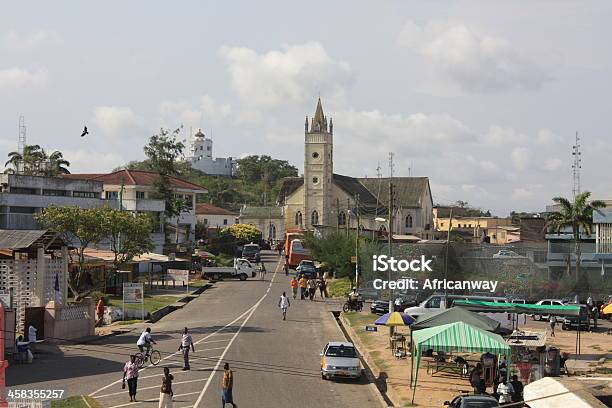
{"x":202,"y":146}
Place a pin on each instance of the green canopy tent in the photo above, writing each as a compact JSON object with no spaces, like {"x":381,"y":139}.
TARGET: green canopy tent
{"x":457,"y":337}
{"x":455,"y":314}
{"x":493,"y":307}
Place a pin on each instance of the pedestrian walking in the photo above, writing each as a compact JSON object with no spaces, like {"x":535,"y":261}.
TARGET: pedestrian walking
{"x":476,"y":381}
{"x":130,"y":373}
{"x":227,"y":384}
{"x":100,"y":311}
{"x":32,"y":333}
{"x":186,"y":344}
{"x":505,"y":391}
{"x":518,"y":389}
{"x":303,"y":286}
{"x":286,"y":268}
{"x":284,"y":304}
{"x":165,"y":393}
{"x":262,"y":271}
{"x":312,"y":288}
{"x":322,"y":288}
{"x":552,"y":320}
{"x":294,"y":286}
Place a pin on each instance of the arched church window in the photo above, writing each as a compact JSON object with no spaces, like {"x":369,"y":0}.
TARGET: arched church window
{"x":272,"y":231}
{"x":314,"y":219}
{"x":409,"y":221}
{"x":342,"y":218}
{"x":298,"y":218}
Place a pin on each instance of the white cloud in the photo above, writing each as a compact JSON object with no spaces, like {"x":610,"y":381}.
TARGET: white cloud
{"x":205,"y":111}
{"x":14,"y":78}
{"x":552,"y":164}
{"x":113,"y":119}
{"x":473,"y":60}
{"x":526,"y":192}
{"x":292,"y":75}
{"x":92,"y":161}
{"x":521,"y":157}
{"x":33,"y":39}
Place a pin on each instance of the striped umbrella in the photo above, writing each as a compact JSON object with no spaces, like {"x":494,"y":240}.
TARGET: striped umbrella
{"x":394,"y":319}
{"x":607,"y":309}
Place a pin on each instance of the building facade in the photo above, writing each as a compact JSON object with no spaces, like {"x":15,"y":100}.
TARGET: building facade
{"x":134,"y":190}
{"x":269,"y":220}
{"x":22,"y":197}
{"x":201,"y":157}
{"x":213,"y":217}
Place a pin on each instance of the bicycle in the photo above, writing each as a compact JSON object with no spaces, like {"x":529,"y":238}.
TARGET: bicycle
{"x":154,"y":356}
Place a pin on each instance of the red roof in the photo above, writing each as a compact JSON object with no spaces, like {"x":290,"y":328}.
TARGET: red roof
{"x":209,"y":209}
{"x":134,"y":178}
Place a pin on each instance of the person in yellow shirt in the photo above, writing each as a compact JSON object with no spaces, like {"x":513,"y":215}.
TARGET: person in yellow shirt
{"x":303,"y":286}
{"x":294,"y":286}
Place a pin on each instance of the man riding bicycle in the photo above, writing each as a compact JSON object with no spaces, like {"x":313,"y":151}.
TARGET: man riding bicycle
{"x":145,"y":340}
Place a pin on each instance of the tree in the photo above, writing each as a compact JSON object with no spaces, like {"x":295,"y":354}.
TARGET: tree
{"x":255,"y":168}
{"x":334,"y":249}
{"x":128,"y":234}
{"x":242,"y":233}
{"x":82,"y":225}
{"x":34,"y":161}
{"x":578,"y":216}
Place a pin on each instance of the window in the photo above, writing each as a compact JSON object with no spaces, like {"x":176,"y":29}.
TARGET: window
{"x":315,"y":155}
{"x":111,"y":195}
{"x":470,"y":225}
{"x":272,"y":231}
{"x":298,"y":218}
{"x":433,"y":303}
{"x":86,"y":194}
{"x":140,"y":195}
{"x":409,"y":221}
{"x":23,"y":210}
{"x":441,"y":224}
{"x":208,"y":148}
{"x":342,"y":218}
{"x":314,"y":218}
{"x":225,"y":221}
{"x":315,"y":180}
{"x":55,"y":193}
{"x":23,"y":190}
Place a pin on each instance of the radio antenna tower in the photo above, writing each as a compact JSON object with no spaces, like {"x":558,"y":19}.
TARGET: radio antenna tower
{"x":22,"y":135}
{"x":576,"y":166}
{"x":391,"y":165}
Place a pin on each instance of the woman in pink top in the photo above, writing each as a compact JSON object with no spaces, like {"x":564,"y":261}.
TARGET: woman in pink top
{"x":130,"y":372}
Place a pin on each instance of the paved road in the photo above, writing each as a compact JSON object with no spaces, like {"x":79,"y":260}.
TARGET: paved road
{"x":276,"y":362}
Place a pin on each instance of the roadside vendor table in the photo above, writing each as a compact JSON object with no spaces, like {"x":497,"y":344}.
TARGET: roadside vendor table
{"x":397,"y":341}
{"x":435,"y":366}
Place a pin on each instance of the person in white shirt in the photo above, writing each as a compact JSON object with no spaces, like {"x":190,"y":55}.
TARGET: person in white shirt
{"x":505,"y":391}
{"x":186,"y":344}
{"x":32,"y":333}
{"x":145,"y":340}
{"x":284,"y":304}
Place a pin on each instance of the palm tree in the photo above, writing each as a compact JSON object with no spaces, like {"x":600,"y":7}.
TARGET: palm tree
{"x":27,"y":162}
{"x":578,"y":216}
{"x":55,"y":164}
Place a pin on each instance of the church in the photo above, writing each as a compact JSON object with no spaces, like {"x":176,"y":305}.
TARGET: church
{"x":323,"y":200}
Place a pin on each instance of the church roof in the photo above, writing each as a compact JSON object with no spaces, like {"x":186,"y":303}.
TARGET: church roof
{"x":261,"y":212}
{"x":408,"y":190}
{"x":289,"y":186}
{"x":352,"y":186}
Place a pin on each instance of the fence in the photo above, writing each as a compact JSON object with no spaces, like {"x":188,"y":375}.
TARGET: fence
{"x":69,"y":322}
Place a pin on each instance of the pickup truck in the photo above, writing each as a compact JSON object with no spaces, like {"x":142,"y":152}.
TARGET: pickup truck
{"x":242,"y":269}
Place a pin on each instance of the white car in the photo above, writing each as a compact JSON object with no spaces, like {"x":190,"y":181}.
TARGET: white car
{"x":504,"y":253}
{"x":340,"y":359}
{"x":547,"y":302}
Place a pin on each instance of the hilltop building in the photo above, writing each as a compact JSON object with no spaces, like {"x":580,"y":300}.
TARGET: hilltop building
{"x":201,"y":157}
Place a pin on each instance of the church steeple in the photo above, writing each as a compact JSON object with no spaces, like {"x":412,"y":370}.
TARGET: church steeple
{"x":319,"y":121}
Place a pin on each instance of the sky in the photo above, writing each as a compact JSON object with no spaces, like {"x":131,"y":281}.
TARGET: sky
{"x":483,"y":97}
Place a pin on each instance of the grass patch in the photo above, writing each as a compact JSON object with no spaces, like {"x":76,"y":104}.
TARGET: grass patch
{"x":76,"y":402}
{"x":379,"y":361}
{"x":151,"y":303}
{"x":126,"y":322}
{"x":339,"y":287}
{"x":198,"y":283}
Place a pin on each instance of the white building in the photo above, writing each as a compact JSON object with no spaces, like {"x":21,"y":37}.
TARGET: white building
{"x":213,"y":217}
{"x":201,"y":157}
{"x":134,"y":190}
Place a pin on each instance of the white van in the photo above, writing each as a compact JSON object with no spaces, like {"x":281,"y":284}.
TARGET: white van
{"x":436,"y":302}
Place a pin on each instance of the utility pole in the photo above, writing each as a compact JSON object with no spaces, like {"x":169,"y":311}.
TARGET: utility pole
{"x":357,"y":242}
{"x":576,"y":166}
{"x":348,"y":215}
{"x":450,"y":226}
{"x":390,"y":225}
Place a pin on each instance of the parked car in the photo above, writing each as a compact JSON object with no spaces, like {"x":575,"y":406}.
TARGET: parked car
{"x":504,"y":253}
{"x":306,"y":268}
{"x":340,"y":359}
{"x":472,"y":401}
{"x":251,"y":252}
{"x":379,"y":306}
{"x":547,"y":302}
{"x":571,"y":322}
{"x":368,"y":292}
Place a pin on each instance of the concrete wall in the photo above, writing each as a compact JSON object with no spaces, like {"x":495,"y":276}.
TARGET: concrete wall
{"x":69,"y":322}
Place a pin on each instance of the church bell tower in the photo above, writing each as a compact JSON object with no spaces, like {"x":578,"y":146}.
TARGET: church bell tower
{"x":318,"y":169}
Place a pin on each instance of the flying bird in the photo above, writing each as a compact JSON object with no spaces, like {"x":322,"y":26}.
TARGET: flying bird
{"x":85,"y":132}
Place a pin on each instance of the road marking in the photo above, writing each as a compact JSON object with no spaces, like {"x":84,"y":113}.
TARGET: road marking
{"x":148,"y":388}
{"x":191,"y":359}
{"x":209,"y":380}
{"x":151,"y":400}
{"x":85,"y":401}
{"x":177,"y":352}
{"x":213,"y":341}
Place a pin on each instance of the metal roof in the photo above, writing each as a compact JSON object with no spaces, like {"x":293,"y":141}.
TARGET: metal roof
{"x":23,"y":239}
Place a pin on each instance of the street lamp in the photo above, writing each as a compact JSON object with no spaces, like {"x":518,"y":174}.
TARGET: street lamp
{"x":380,"y":219}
